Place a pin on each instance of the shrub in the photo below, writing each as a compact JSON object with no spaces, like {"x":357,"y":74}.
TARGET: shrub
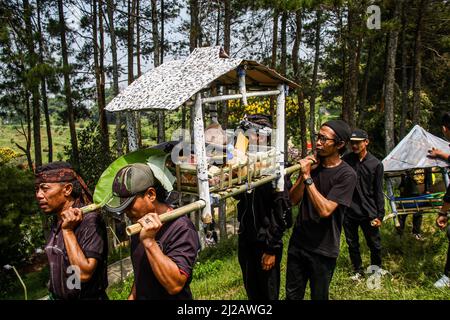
{"x":20,"y":224}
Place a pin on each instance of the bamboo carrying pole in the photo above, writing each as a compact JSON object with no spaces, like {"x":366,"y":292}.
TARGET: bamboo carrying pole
{"x":200,"y":204}
{"x":168,"y":216}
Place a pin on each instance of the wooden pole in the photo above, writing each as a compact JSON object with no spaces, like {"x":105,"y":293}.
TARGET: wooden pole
{"x":392,"y":202}
{"x":242,"y":88}
{"x":280,"y":136}
{"x":202,"y":165}
{"x":131,"y":132}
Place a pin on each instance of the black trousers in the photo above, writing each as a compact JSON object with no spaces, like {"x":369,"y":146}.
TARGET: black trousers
{"x":373,"y":240}
{"x":259,"y":284}
{"x":304,"y":266}
{"x":447,"y":262}
{"x":417,"y":222}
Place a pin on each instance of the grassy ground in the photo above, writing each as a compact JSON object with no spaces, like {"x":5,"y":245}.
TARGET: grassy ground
{"x":413,"y":268}
{"x":413,"y":265}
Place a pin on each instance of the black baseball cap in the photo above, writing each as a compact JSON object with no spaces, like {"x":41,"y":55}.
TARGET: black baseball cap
{"x":359,"y":135}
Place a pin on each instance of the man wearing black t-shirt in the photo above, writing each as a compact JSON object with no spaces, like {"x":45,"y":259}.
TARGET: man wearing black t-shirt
{"x":367,"y":208}
{"x":324,"y":187}
{"x":442,"y":219}
{"x":163,"y":255}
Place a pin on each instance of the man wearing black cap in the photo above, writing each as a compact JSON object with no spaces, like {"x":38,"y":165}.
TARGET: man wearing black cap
{"x":367,"y":208}
{"x":163,"y":255}
{"x":263,"y":215}
{"x":77,"y":247}
{"x":324,"y":187}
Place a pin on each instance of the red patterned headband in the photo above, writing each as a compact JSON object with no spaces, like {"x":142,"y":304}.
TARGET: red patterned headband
{"x":56,"y":175}
{"x":64,"y":175}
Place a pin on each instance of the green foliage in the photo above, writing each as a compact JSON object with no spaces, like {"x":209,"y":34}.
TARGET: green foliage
{"x":93,"y":159}
{"x":20,"y":225}
{"x":7,"y":155}
{"x":121,"y":291}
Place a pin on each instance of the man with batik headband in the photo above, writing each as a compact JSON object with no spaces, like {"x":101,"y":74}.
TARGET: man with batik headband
{"x":77,"y":247}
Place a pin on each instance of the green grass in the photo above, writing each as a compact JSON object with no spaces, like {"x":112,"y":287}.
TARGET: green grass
{"x":414,"y":267}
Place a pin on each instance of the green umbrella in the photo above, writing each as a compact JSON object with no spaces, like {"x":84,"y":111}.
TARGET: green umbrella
{"x":103,"y":189}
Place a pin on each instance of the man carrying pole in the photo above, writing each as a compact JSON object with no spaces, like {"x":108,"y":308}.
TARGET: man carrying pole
{"x":77,"y":248}
{"x":442,"y":218}
{"x":163,"y":255}
{"x":263,"y":216}
{"x":367,"y":207}
{"x":324,"y":187}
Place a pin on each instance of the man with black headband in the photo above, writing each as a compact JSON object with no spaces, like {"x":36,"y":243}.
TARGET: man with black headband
{"x":77,"y":248}
{"x":263,"y":216}
{"x":324,"y":188}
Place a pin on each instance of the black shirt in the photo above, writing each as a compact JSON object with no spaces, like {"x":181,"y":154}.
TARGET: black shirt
{"x":368,"y":198}
{"x":91,"y":237}
{"x":264,"y":215}
{"x":447,"y":193}
{"x":322,"y":235}
{"x":178,"y":240}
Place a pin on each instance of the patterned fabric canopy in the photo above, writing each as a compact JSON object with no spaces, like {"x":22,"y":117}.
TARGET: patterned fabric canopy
{"x":173,"y":83}
{"x":411,"y":152}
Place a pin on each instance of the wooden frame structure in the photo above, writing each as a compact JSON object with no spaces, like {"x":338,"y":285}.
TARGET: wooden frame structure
{"x":213,"y":68}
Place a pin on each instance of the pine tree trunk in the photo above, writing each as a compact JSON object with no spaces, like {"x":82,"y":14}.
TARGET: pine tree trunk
{"x":130,"y":39}
{"x":354,"y":42}
{"x":273,"y":64}
{"x":297,"y":78}
{"x":139,"y":70}
{"x":156,"y":63}
{"x":33,"y":84}
{"x":417,"y":86}
{"x":227,"y":27}
{"x":312,"y":102}
{"x":283,"y":61}
{"x":99,"y":71}
{"x":44,"y":86}
{"x":404,"y":75}
{"x":365,"y":85}
{"x":390,"y":87}
{"x":163,"y":18}
{"x":342,"y":42}
{"x":194,"y":33}
{"x":67,"y":85}
{"x":115,"y":74}
{"x":27,"y":134}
